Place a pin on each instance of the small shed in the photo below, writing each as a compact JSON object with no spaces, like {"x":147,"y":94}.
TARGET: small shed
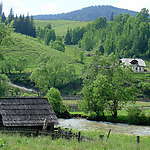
{"x":26,"y":113}
{"x":137,"y":64}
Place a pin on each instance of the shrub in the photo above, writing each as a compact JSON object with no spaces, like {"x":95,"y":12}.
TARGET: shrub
{"x":136,"y":115}
{"x":145,"y":87}
{"x":58,"y":45}
{"x":56,"y":101}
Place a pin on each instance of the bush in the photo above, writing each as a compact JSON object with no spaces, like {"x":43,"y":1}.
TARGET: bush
{"x":95,"y":117}
{"x":145,"y":87}
{"x":58,"y":45}
{"x":56,"y":101}
{"x":136,"y":116}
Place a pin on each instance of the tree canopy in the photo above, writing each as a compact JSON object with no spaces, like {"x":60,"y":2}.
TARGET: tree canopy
{"x":51,"y":73}
{"x":124,"y":35}
{"x":4,"y":33}
{"x":107,"y":85}
{"x":55,"y":99}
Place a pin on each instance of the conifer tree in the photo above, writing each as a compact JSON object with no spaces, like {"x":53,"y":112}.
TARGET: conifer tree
{"x":68,"y":37}
{"x":10,"y":16}
{"x":112,"y":16}
{"x":3,"y":17}
{"x":1,"y":8}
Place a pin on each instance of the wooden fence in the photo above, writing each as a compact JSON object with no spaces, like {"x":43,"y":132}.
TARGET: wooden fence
{"x":58,"y":133}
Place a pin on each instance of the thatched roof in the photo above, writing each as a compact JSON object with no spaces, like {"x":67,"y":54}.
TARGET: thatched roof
{"x":129,"y":61}
{"x":26,"y":111}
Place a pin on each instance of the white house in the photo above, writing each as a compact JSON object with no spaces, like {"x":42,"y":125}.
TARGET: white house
{"x":136,"y":63}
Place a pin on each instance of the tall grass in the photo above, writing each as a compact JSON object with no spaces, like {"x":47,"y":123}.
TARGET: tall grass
{"x":115,"y":142}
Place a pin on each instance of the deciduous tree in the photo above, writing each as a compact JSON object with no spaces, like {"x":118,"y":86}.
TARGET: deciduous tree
{"x":108,"y":83}
{"x":55,"y":99}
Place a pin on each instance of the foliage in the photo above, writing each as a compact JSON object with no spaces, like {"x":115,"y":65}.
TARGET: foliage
{"x":96,"y":96}
{"x":24,"y":25}
{"x":145,"y":87}
{"x":3,"y":84}
{"x":3,"y":18}
{"x":58,"y":45}
{"x":136,"y":115}
{"x":10,"y":16}
{"x":107,"y":83}
{"x":1,"y":8}
{"x":52,"y":72}
{"x":82,"y":57}
{"x":125,"y":36}
{"x":55,"y":99}
{"x":4,"y":34}
{"x":7,"y":65}
{"x":21,"y":63}
{"x":67,"y":38}
{"x":50,"y":36}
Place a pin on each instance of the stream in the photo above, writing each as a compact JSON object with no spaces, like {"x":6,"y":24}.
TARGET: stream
{"x":120,"y":128}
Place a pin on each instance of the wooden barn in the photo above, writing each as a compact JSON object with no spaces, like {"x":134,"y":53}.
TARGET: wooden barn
{"x":26,"y":113}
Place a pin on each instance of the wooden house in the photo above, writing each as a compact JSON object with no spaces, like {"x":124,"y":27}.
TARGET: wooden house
{"x":136,"y":64}
{"x":26,"y":113}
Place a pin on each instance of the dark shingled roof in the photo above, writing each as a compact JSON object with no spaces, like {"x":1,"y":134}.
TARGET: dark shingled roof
{"x":26,"y":112}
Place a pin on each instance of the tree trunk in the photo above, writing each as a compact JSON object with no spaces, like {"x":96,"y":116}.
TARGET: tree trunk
{"x":115,"y":109}
{"x":115,"y":114}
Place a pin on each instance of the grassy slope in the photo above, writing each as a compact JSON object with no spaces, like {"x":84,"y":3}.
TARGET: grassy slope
{"x":60,"y":26}
{"x":31,"y":49}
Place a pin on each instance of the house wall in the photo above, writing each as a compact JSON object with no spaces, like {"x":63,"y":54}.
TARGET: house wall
{"x":136,"y":68}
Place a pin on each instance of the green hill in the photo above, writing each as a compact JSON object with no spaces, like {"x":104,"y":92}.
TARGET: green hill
{"x":87,"y":13}
{"x":31,"y":49}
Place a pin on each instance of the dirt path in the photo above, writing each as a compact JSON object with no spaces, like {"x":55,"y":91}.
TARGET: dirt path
{"x":23,"y":88}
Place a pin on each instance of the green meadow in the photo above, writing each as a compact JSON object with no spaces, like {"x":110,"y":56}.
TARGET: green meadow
{"x":60,"y":26}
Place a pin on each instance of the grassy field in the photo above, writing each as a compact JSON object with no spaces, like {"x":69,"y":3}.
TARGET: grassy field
{"x":115,"y":142}
{"x":60,"y":26}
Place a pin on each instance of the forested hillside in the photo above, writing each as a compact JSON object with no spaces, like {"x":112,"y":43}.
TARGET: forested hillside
{"x":59,"y":52}
{"x":87,"y":14}
{"x":125,"y":36}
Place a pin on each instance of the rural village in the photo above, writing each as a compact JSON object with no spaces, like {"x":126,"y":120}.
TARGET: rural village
{"x":75,"y":80}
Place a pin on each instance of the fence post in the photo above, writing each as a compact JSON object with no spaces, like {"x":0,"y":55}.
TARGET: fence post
{"x":37,"y":132}
{"x":138,"y":139}
{"x":108,"y":133}
{"x":53,"y":136}
{"x":59,"y":132}
{"x":79,"y":136}
{"x":101,"y":137}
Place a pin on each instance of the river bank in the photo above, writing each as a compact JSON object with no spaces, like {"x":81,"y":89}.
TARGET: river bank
{"x":119,"y":128}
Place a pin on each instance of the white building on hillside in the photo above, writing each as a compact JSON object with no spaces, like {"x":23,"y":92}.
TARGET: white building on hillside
{"x":136,"y":63}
